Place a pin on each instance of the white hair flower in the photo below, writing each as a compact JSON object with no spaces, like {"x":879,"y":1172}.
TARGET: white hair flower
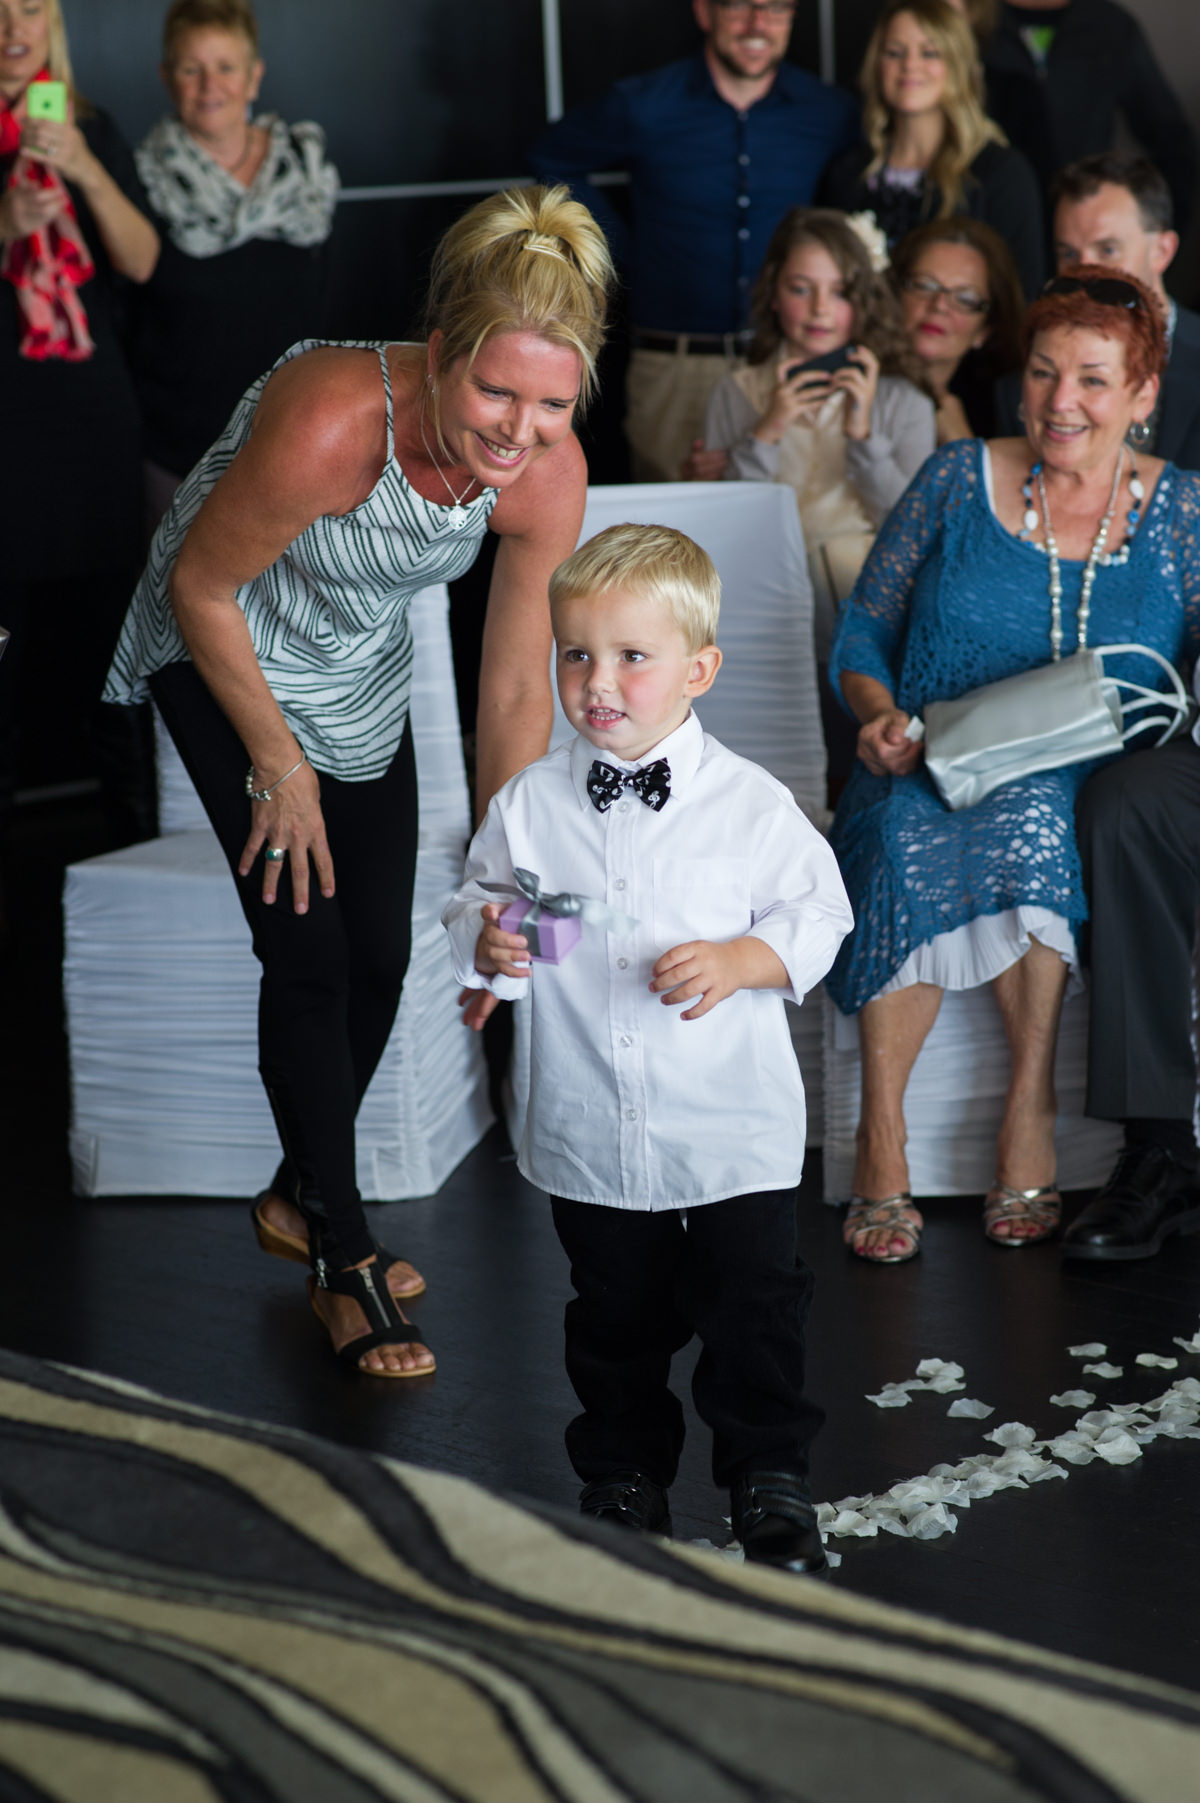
{"x":866,"y":229}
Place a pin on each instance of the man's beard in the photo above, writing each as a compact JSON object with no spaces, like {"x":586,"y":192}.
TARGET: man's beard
{"x":735,"y":69}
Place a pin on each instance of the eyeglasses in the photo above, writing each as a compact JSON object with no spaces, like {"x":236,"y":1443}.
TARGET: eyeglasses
{"x":959,"y":300}
{"x":774,"y":9}
{"x":1109,"y":290}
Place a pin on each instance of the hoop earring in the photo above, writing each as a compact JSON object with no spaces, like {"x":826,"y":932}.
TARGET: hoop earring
{"x":1138,"y":435}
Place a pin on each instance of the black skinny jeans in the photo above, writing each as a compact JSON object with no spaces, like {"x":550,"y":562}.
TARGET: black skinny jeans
{"x":331,"y":978}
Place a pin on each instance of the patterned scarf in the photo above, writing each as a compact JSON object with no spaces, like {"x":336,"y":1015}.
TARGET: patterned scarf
{"x":208,"y":211}
{"x":48,"y":267}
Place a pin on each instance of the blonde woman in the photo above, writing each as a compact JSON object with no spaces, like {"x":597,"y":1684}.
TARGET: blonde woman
{"x":929,"y":148}
{"x":72,"y":222}
{"x":271,"y":627}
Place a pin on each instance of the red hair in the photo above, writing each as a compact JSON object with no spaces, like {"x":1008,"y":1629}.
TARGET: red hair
{"x":1141,"y":331}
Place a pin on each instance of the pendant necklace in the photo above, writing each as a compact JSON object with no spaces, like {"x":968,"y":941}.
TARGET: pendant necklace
{"x":457,"y":516}
{"x":1095,"y":555}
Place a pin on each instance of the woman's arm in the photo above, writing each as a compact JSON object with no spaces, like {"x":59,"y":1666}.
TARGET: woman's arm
{"x":882,"y":742}
{"x":317,"y":447}
{"x":538,"y":521}
{"x":903,"y":434}
{"x":127,"y":235}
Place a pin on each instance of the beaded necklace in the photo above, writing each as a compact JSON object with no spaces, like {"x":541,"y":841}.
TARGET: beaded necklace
{"x":1096,"y":555}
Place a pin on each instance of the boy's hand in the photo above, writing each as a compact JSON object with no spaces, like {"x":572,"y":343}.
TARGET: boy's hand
{"x":478,"y":1006}
{"x":498,"y":953}
{"x":696,"y":969}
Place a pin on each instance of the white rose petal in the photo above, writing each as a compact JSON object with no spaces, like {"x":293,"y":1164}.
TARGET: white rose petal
{"x":1012,"y":1433}
{"x":891,"y":1398}
{"x":1106,"y":1370}
{"x":1093,"y":1350}
{"x":1158,"y":1361}
{"x":1074,"y":1399}
{"x":933,"y":1522}
{"x":971,"y":1410}
{"x":1117,"y":1448}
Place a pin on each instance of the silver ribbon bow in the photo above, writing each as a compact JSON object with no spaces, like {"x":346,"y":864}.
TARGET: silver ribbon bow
{"x":593,"y":913}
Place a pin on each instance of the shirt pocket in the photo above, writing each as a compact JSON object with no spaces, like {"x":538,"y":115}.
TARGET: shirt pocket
{"x":700,"y":898}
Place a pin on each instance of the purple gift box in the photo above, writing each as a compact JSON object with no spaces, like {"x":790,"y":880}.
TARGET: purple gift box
{"x":549,"y":936}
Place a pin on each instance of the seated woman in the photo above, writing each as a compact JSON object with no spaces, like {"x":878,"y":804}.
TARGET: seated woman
{"x":991,"y":548}
{"x":961,"y":299}
{"x":244,"y":210}
{"x":930,"y":150}
{"x":847,"y":440}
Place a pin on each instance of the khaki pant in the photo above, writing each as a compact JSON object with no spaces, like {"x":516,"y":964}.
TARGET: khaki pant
{"x":666,"y":393}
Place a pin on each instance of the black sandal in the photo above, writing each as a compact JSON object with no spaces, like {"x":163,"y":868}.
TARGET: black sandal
{"x":281,"y":1244}
{"x":377,"y":1303}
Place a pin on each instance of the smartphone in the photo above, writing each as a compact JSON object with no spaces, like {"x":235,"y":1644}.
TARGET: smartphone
{"x":829,"y":360}
{"x":47,"y":100}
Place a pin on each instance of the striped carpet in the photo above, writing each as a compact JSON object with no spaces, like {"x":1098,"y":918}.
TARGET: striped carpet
{"x":195,"y":1607}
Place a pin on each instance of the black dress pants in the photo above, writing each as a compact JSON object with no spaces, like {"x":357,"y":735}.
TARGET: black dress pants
{"x":645,"y":1283}
{"x":331,"y":978}
{"x":1139,"y":839}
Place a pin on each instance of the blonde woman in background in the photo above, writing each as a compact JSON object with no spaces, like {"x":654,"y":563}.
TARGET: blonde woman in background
{"x":271,"y":626}
{"x":929,"y":148}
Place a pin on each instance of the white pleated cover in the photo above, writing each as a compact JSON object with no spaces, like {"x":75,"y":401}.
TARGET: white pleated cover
{"x":162,"y":994}
{"x":955,"y":1100}
{"x":764,"y":703}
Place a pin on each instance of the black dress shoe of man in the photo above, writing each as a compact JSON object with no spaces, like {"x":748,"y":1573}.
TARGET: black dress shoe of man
{"x":1149,"y":1195}
{"x":628,"y":1499}
{"x":775,"y":1521}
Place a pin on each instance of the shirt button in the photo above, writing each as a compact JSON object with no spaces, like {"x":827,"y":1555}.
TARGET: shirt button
{"x":622,"y":963}
{"x":744,"y":160}
{"x":743,"y":200}
{"x":620,"y":883}
{"x":631,"y":1114}
{"x":744,"y":233}
{"x":626,"y":1041}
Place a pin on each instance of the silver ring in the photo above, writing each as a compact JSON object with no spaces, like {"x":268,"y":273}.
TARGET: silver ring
{"x":275,"y":853}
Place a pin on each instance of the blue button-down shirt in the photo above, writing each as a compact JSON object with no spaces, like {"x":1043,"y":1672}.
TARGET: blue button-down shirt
{"x":709,"y":183}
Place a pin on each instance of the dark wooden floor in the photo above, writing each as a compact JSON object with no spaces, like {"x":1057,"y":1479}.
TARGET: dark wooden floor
{"x":174,"y":1293}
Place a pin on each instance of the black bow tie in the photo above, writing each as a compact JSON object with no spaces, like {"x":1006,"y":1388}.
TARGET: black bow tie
{"x":651,"y":785}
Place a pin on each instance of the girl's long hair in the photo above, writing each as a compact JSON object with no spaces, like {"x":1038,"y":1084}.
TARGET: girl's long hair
{"x":877,"y":321}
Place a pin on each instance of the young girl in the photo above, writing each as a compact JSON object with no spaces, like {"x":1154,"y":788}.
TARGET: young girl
{"x":930,"y":149}
{"x":847,"y":440}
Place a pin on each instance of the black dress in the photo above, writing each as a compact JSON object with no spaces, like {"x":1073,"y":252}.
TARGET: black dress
{"x":205,"y":328}
{"x":71,"y":523}
{"x":1000,"y":188}
{"x":70,"y":453}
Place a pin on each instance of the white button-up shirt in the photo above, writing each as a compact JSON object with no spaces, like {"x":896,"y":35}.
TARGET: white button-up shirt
{"x":629,"y":1104}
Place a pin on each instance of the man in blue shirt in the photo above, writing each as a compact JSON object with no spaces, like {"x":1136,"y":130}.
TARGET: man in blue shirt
{"x":718,"y":147}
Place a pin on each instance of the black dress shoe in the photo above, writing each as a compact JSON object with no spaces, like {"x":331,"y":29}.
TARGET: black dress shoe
{"x":628,"y":1499}
{"x":1148,"y":1196}
{"x":775,"y":1521}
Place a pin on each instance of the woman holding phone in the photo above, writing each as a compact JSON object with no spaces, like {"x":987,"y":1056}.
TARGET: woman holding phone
{"x":72,"y":225}
{"x":271,"y":626}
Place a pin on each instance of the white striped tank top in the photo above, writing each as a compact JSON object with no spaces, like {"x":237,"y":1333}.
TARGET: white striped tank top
{"x":329,"y":620}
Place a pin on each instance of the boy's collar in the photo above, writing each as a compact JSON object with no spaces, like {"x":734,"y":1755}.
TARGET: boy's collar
{"x":682,"y":749}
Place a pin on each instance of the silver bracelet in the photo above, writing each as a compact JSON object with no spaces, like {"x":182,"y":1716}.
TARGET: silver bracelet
{"x":266,"y":794}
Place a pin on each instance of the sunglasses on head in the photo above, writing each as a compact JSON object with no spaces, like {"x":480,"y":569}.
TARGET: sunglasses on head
{"x":1109,"y":290}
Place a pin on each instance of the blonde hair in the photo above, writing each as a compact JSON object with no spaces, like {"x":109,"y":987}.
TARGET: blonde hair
{"x":524,"y":260}
{"x":967,"y":126}
{"x":235,"y":16}
{"x":58,"y":56}
{"x":655,"y":563}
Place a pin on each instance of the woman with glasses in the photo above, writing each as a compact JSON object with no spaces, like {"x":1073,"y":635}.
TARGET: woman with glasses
{"x":960,"y":297}
{"x":930,"y":150}
{"x":997,"y":550}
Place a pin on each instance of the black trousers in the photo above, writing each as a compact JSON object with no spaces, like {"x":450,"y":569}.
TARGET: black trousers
{"x":331,"y":978}
{"x":644,"y":1284}
{"x":1139,"y":838}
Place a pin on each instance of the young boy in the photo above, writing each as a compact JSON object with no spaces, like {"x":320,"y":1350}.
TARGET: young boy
{"x":666,"y":1111}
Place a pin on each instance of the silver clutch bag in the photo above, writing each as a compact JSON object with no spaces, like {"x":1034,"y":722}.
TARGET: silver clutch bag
{"x":1061,"y":713}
